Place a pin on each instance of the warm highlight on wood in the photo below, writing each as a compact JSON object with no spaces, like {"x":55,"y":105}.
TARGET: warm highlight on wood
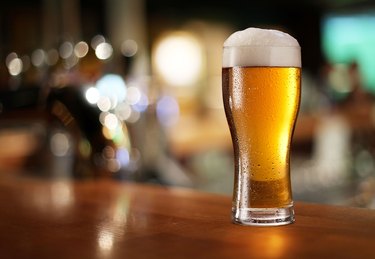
{"x":105,"y":219}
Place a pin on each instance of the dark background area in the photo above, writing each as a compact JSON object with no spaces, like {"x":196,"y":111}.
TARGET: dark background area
{"x":21,"y":20}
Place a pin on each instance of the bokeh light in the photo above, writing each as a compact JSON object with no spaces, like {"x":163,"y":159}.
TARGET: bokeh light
{"x":10,"y":57}
{"x":15,"y":66}
{"x":66,"y":50}
{"x":167,"y":110}
{"x":123,"y":111}
{"x":60,"y":144}
{"x":133,"y":95}
{"x":38,"y":57}
{"x":113,"y":87}
{"x":142,"y":103}
{"x":111,"y":121}
{"x":123,"y":156}
{"x":103,"y":51}
{"x":92,"y":95}
{"x":104,"y":103}
{"x":81,"y":49}
{"x":96,"y":40}
{"x":178,"y":59}
{"x":129,"y":48}
{"x":134,"y":116}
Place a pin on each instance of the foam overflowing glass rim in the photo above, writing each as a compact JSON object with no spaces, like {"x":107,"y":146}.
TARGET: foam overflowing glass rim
{"x":261,"y":47}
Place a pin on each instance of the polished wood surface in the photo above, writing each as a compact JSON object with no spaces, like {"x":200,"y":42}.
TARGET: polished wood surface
{"x":108,"y":219}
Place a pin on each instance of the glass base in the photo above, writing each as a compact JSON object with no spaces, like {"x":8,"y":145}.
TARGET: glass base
{"x":263,"y":216}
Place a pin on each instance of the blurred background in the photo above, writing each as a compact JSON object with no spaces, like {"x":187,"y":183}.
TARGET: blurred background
{"x":131,"y":90}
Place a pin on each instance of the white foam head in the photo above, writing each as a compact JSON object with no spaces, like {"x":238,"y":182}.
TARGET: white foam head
{"x":261,"y":47}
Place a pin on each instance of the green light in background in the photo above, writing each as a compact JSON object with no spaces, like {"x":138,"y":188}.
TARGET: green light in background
{"x":351,"y":38}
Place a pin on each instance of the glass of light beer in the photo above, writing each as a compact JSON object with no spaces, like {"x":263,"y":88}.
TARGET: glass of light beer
{"x":261,"y":78}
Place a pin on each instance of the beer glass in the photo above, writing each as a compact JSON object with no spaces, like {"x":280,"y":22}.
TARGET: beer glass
{"x":261,"y":93}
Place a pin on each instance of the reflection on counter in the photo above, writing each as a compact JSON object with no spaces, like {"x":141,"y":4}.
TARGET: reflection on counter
{"x":134,"y":94}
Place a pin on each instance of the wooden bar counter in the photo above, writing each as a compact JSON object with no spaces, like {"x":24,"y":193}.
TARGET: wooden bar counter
{"x":109,"y":219}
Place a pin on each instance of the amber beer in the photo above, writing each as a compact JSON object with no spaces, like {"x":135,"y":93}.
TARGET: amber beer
{"x":261,"y":98}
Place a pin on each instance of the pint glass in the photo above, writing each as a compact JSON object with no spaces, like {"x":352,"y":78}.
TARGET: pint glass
{"x":261,"y":94}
